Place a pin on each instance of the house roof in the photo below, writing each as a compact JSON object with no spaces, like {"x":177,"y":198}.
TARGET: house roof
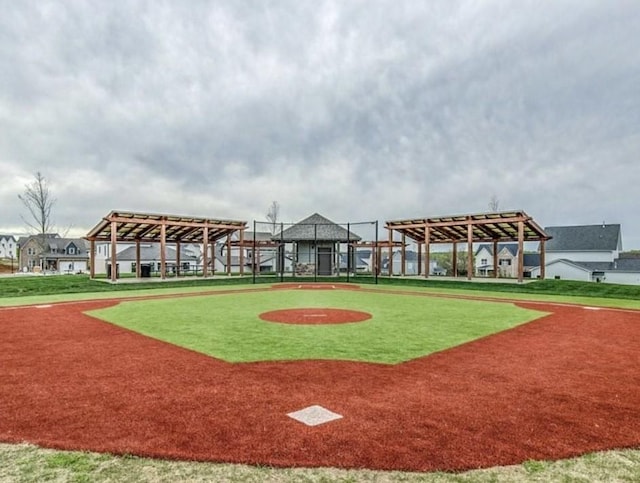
{"x":257,"y":236}
{"x":482,"y":227}
{"x":584,"y":238}
{"x":148,"y":227}
{"x":531,"y":259}
{"x":152,"y":253}
{"x":512,"y":247}
{"x":316,"y":227}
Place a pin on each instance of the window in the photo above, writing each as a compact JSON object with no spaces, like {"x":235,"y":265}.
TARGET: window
{"x":505,"y":262}
{"x":71,"y":250}
{"x":483,"y":261}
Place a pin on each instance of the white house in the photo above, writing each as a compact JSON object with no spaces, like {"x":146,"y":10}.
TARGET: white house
{"x":8,"y":246}
{"x":507,"y":261}
{"x":265,"y":254}
{"x":150,"y":259}
{"x":590,"y":253}
{"x":413,"y":264}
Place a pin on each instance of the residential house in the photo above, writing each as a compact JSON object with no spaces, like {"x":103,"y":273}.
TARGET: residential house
{"x":591,"y":253}
{"x":317,"y":243}
{"x":52,"y":253}
{"x":150,"y":260}
{"x":265,"y":254}
{"x":412,"y":264}
{"x":8,"y":246}
{"x":507,"y":261}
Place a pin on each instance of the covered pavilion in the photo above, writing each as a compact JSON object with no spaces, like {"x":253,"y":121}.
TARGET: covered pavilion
{"x":128,"y":227}
{"x":504,"y":226}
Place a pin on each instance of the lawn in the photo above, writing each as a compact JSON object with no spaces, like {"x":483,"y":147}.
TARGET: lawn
{"x":227,"y":326}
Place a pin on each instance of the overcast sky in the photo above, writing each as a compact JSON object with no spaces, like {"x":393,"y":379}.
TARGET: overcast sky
{"x":358,"y":110}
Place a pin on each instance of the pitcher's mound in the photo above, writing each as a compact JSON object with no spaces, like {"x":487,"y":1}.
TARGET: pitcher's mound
{"x":315,"y":316}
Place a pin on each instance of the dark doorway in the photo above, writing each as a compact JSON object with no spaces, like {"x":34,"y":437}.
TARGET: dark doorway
{"x":324,"y":261}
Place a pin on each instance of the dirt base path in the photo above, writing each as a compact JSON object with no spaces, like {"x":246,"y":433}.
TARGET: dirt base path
{"x":562,"y":385}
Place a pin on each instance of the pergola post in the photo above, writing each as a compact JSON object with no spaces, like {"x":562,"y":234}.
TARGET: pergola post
{"x":419,"y":258}
{"x":469,"y":250}
{"x":205,"y":251}
{"x":92,"y":259}
{"x":454,"y":260}
{"x":427,"y":239}
{"x":520,"y":251}
{"x":403,"y":255}
{"x":163,"y":250}
{"x":178,"y":259}
{"x":390,"y":252}
{"x":114,"y":244}
{"x":241,"y":251}
{"x":229,"y":254}
{"x":495,"y":258}
{"x":542,"y":259}
{"x":138,"y":268}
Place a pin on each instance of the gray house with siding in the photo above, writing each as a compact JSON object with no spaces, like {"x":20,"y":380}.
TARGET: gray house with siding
{"x":591,"y":253}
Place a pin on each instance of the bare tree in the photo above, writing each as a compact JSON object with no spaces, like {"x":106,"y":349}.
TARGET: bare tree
{"x":494,"y":203}
{"x":273,"y":214}
{"x":39,"y":202}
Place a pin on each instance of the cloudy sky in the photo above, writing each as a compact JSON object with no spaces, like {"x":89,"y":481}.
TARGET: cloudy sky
{"x":359,"y":110}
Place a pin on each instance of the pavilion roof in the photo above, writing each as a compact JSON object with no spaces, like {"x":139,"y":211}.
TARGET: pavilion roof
{"x":485,"y":227}
{"x":147,"y":227}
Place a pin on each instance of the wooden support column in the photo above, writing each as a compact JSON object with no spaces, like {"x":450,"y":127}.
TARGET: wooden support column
{"x":242,"y":251}
{"x":138,"y":267}
{"x":454,"y":260}
{"x":427,"y":250}
{"x":390,"y":252}
{"x":92,"y":259}
{"x":469,"y":250}
{"x":114,"y":245}
{"x":542,"y":259}
{"x":178,"y":259}
{"x":229,"y":254}
{"x":213,"y":258}
{"x":495,"y":258}
{"x":205,"y":251}
{"x":403,"y":255}
{"x":163,"y":250}
{"x":520,"y":251}
{"x":419,"y":258}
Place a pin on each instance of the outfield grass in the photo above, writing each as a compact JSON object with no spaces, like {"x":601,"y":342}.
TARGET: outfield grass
{"x":21,"y":285}
{"x":402,"y":327}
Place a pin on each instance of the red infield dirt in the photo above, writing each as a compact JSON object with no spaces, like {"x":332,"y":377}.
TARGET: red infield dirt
{"x":562,"y":385}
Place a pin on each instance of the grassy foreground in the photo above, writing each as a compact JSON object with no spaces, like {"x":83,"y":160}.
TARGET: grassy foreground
{"x":27,"y":463}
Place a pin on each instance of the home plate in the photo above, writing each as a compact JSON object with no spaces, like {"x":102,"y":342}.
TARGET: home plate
{"x":314,"y":415}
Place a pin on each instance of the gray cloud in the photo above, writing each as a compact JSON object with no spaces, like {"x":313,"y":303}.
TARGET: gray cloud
{"x":358,"y":110}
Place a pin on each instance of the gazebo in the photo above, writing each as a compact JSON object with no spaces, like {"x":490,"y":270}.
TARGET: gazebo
{"x":316,"y":241}
{"x":505,"y":226}
{"x":137,"y":228}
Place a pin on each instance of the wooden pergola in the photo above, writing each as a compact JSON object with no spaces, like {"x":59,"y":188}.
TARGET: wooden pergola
{"x":121,"y":226}
{"x":505,"y":226}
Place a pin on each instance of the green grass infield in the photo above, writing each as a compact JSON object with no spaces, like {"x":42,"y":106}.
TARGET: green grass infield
{"x":402,"y":327}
